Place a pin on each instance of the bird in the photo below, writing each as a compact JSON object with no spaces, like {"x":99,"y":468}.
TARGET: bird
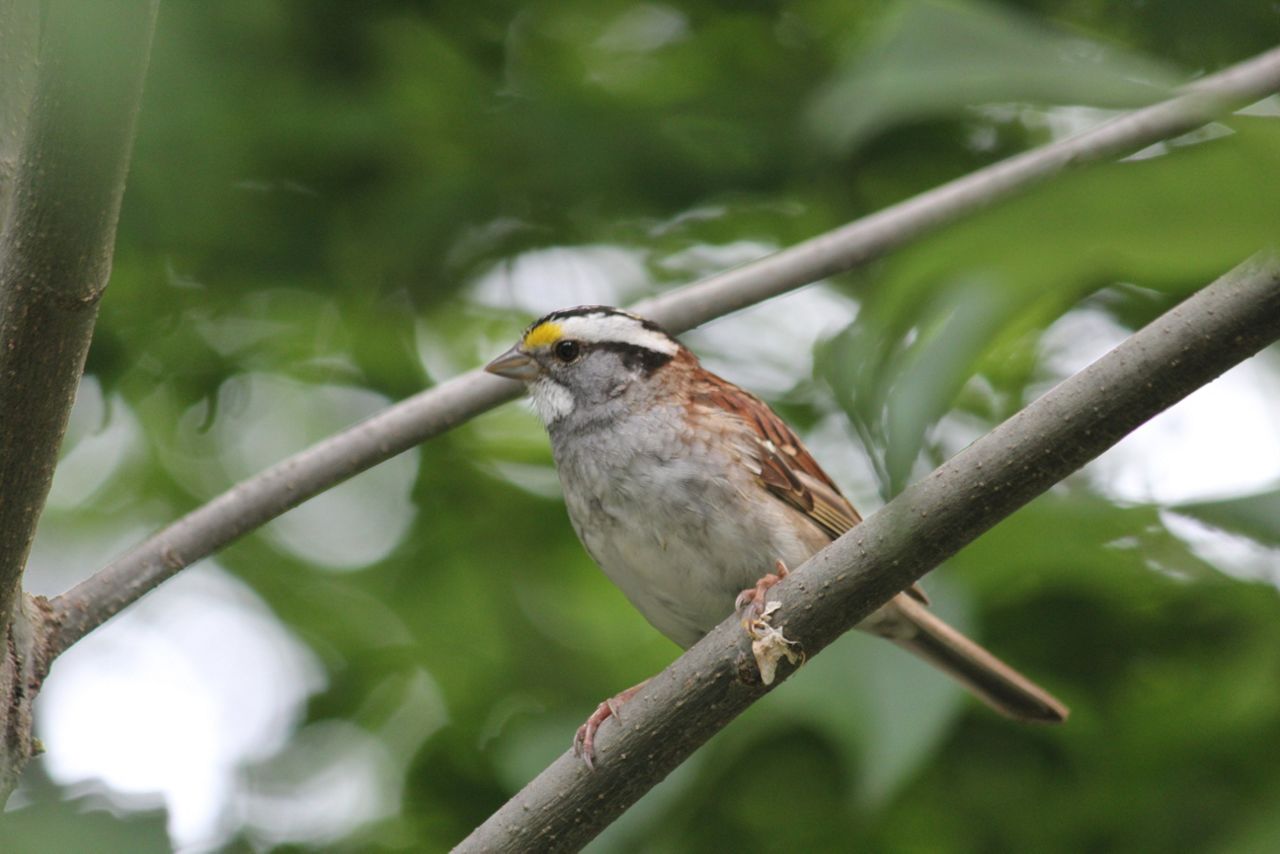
{"x":694,"y":496}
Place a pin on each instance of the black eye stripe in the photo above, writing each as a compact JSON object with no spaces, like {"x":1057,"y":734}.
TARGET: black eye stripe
{"x":635,"y":356}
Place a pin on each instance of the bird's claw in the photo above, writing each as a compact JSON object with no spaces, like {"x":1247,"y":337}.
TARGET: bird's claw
{"x":584,"y":740}
{"x":750,"y":604}
{"x":768,"y":644}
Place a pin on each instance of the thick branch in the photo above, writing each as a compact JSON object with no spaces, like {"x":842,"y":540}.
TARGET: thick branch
{"x":55,"y":256}
{"x":567,"y":805}
{"x":261,"y":498}
{"x":55,"y":252}
{"x":18,"y":54}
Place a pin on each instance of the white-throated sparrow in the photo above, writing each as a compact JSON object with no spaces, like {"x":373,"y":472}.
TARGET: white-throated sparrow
{"x":687,"y":490}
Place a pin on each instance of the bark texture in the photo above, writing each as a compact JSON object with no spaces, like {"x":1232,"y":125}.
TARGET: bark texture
{"x":55,"y":257}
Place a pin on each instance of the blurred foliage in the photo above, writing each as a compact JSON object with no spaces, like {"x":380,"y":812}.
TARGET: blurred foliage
{"x":936,"y":58}
{"x":1171,"y":221}
{"x":1254,"y":515}
{"x":342,"y":203}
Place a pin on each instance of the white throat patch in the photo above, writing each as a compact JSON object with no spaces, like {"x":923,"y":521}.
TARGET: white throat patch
{"x":551,"y":400}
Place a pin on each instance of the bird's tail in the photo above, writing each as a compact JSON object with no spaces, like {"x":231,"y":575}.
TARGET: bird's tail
{"x":910,"y":624}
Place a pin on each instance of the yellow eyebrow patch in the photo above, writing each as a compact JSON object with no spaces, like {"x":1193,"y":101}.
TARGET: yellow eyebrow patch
{"x":543,"y":334}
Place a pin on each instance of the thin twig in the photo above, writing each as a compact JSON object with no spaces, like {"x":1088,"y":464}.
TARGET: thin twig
{"x":263,"y":497}
{"x":878,"y":234}
{"x":566,"y":805}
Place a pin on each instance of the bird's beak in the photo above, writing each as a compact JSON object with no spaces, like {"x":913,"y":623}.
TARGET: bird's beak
{"x":514,"y":365}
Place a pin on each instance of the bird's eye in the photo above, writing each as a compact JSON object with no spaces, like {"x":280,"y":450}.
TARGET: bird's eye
{"x":567,"y":351}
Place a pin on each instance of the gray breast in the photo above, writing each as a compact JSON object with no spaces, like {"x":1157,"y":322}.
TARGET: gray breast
{"x":678,"y":525}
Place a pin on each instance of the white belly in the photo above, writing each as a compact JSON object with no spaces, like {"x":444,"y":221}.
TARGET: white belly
{"x":681,"y":546}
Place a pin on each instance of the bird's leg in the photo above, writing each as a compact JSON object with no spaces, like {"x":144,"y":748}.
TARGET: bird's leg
{"x":768,"y":644}
{"x":750,"y":602}
{"x":584,"y":741}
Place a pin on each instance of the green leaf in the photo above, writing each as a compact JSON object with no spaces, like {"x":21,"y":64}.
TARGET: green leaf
{"x":936,"y":58}
{"x":1256,"y":516}
{"x":942,"y":311}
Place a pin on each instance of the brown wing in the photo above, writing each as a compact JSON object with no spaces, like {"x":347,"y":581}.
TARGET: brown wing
{"x":787,"y":469}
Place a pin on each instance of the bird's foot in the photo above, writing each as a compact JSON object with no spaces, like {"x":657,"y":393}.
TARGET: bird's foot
{"x":768,"y":644}
{"x":750,"y":603}
{"x":584,"y":741}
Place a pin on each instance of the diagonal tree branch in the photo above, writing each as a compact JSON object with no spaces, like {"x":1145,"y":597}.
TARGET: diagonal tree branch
{"x":55,"y":257}
{"x":878,"y":234}
{"x":566,"y":805}
{"x":265,"y":496}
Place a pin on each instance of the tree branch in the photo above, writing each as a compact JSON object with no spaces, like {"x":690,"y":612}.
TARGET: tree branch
{"x":18,"y":53}
{"x":265,"y":496}
{"x":55,"y":257}
{"x":875,"y":236}
{"x":1225,"y":323}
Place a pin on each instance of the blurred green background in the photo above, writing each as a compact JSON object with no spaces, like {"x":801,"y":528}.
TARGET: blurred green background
{"x":333,"y":205}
